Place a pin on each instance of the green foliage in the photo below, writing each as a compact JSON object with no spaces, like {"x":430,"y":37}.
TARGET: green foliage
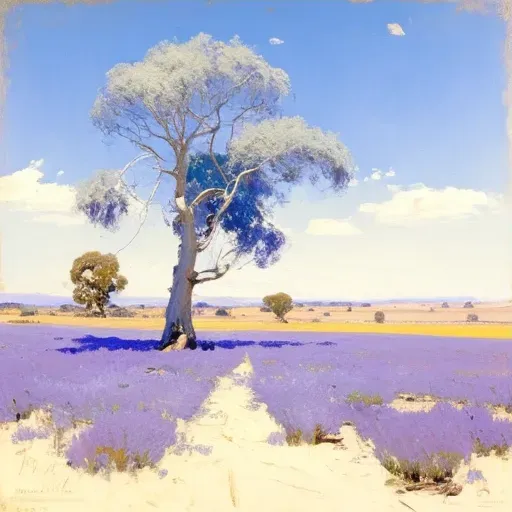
{"x":95,"y":277}
{"x":436,"y":469}
{"x":280,"y":304}
{"x":221,"y":312}
{"x":379,"y":317}
{"x":356,"y":397}
{"x":482,"y":450}
{"x":294,"y":438}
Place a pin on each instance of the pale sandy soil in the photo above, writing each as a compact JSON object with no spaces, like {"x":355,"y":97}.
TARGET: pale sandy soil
{"x":243,"y":472}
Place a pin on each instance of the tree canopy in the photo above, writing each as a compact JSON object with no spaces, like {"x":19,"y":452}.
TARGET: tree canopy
{"x":95,"y":277}
{"x":280,"y":304}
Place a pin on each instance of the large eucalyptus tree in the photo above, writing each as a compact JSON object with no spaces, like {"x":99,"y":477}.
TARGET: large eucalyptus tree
{"x":180,"y":105}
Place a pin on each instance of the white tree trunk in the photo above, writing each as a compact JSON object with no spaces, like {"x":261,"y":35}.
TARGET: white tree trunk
{"x":178,"y":316}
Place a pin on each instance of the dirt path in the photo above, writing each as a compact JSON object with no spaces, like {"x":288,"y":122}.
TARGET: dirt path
{"x":222,"y":462}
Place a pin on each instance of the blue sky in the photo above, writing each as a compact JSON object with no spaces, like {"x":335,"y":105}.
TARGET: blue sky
{"x":428,"y":104}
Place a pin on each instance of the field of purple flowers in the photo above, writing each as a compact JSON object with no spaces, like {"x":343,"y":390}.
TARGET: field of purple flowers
{"x":127,"y":396}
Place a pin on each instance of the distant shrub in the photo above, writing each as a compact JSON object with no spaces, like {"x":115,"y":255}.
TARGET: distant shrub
{"x":431,"y":310}
{"x":379,"y":317}
{"x":10,"y":305}
{"x":299,"y":305}
{"x":28,"y":311}
{"x":327,"y":313}
{"x":445,"y":305}
{"x":311,"y":309}
{"x":121,"y":313}
{"x":24,"y":322}
{"x":222,"y":312}
{"x":145,"y":316}
{"x":472,"y":317}
{"x":315,"y":320}
{"x":69,"y":308}
{"x":264,"y":309}
{"x":468,"y":304}
{"x":280,"y":304}
{"x":202,"y":304}
{"x":349,"y":309}
{"x":52,"y":313}
{"x":366,"y":305}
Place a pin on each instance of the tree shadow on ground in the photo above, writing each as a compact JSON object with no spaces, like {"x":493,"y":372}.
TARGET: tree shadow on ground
{"x":91,"y":343}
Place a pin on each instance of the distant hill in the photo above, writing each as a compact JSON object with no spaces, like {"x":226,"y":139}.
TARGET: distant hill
{"x":43,"y":300}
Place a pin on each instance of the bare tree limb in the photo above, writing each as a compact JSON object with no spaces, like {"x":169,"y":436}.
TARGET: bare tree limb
{"x":144,"y":214}
{"x":217,"y":274}
{"x":205,"y":194}
{"x":239,"y":116}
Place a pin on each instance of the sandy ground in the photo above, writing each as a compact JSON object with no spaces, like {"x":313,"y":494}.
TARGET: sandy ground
{"x":242,"y":472}
{"x":495,"y":320}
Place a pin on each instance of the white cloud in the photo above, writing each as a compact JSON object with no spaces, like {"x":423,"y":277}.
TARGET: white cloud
{"x":390,"y":173}
{"x":23,"y":191}
{"x":332,"y":227}
{"x":353,"y":182}
{"x":376,"y":174}
{"x":421,"y":203}
{"x":394,"y":188}
{"x":395,"y":29}
{"x":60,"y":173}
{"x":275,"y":40}
{"x":366,"y":178}
{"x":59,"y":219}
{"x":477,"y":247}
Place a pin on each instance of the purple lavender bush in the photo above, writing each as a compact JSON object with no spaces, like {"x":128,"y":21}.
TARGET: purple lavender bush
{"x":24,"y":433}
{"x":120,"y":392}
{"x":430,"y":445}
{"x":123,"y":440}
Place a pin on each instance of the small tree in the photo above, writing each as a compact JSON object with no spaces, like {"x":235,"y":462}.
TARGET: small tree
{"x":380,"y":317}
{"x":280,"y":304}
{"x":468,"y":304}
{"x":95,"y":277}
{"x":445,"y":305}
{"x":472,"y":317}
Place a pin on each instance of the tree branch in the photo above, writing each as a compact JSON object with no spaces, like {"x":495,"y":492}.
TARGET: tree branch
{"x":239,"y":116}
{"x":205,"y":194}
{"x":144,"y":213}
{"x":217,"y":274}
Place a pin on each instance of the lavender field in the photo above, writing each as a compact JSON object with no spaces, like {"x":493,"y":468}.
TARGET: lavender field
{"x":127,"y":397}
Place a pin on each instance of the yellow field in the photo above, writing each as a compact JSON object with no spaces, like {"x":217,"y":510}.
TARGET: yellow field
{"x":497,"y":331}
